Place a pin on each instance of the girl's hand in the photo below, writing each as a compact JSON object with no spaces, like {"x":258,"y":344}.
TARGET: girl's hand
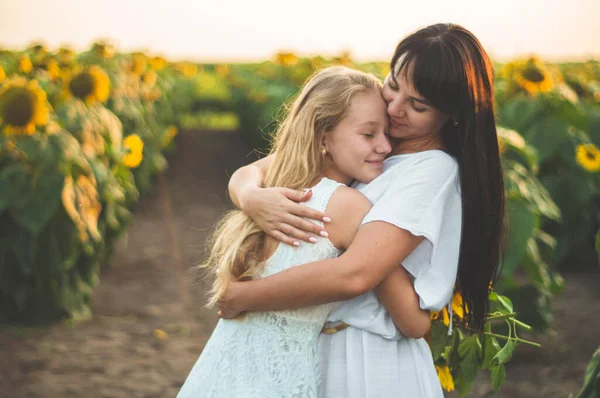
{"x":227,"y":303}
{"x":278,"y":213}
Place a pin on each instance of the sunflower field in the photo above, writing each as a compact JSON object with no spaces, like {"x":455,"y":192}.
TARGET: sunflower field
{"x":81,"y":135}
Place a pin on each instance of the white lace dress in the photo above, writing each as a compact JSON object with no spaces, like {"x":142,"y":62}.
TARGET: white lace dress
{"x":268,"y":354}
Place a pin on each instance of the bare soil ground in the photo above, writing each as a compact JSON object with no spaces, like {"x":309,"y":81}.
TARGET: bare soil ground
{"x":149,"y":324}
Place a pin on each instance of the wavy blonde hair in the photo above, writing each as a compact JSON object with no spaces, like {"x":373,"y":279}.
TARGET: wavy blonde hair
{"x":237,"y":247}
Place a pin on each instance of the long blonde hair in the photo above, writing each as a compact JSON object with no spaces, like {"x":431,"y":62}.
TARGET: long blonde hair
{"x":237,"y":247}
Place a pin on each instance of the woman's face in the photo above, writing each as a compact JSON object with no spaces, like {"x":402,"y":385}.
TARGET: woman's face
{"x":358,"y":145}
{"x":412,"y":117}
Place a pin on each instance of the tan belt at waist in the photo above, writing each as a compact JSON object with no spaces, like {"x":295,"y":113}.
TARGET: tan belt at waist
{"x":335,"y":329}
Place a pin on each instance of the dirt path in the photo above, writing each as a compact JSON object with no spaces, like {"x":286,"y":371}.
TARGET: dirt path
{"x":118,"y":354}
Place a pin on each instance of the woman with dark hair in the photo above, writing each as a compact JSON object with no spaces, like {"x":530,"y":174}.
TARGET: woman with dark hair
{"x":436,"y":222}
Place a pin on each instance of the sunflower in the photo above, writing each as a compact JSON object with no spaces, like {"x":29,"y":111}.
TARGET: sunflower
{"x":25,"y":64}
{"x":138,"y":64}
{"x":103,"y":50}
{"x":170,"y":133}
{"x":51,"y":66}
{"x":80,"y":201}
{"x":286,"y":59}
{"x":344,"y":59}
{"x":149,"y":78}
{"x":435,"y":315}
{"x":186,"y":68}
{"x":65,"y":56}
{"x":533,"y":77}
{"x":23,"y":105}
{"x":588,"y":156}
{"x":2,"y":74}
{"x":445,"y":377}
{"x":91,"y":85}
{"x":135,"y":146}
{"x":458,"y":307}
{"x":157,"y":63}
{"x":222,"y":70}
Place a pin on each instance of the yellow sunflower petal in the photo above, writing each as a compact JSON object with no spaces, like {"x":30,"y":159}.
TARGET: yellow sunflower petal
{"x":588,"y":157}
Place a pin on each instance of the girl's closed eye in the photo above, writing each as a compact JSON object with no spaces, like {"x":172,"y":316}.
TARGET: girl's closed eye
{"x":369,"y":135}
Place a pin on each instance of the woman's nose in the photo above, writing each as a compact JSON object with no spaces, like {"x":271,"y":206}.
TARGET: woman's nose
{"x":396,"y":109}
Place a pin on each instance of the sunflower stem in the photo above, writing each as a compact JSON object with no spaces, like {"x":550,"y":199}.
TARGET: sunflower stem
{"x":517,"y":339}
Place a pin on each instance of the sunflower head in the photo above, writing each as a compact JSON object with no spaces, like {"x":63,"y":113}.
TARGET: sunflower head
{"x":344,"y":59}
{"x":588,"y":157}
{"x":157,"y":63}
{"x":170,"y":133}
{"x":38,"y":48}
{"x":65,"y":56}
{"x":139,"y":64}
{"x":134,"y":146}
{"x":23,"y":105}
{"x":149,"y":78}
{"x":25,"y":64}
{"x":186,"y":68}
{"x":533,"y":77}
{"x":103,"y":49}
{"x":286,"y":59}
{"x":445,"y":377}
{"x":51,"y":66}
{"x":2,"y":74}
{"x":91,"y":85}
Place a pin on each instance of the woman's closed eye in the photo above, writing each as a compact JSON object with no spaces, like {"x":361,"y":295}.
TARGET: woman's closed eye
{"x":415,"y":107}
{"x":369,"y":135}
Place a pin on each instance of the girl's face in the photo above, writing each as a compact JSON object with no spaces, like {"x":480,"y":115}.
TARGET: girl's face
{"x":358,"y":145}
{"x":412,"y":117}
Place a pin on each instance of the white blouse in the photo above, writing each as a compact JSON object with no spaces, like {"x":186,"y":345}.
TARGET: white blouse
{"x":418,"y":192}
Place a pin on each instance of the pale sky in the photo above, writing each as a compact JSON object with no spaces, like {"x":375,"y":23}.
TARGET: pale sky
{"x":224,"y":30}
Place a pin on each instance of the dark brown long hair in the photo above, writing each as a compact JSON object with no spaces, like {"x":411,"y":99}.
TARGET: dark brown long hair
{"x":450,"y":68}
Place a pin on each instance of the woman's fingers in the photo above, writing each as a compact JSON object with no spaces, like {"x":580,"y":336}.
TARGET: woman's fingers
{"x":306,"y":226}
{"x":288,"y":240}
{"x":297,"y":196}
{"x":297,"y":233}
{"x":307,"y":212}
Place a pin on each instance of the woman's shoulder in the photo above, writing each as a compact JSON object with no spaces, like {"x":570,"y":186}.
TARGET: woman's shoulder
{"x":433,"y":162}
{"x":434,"y":157}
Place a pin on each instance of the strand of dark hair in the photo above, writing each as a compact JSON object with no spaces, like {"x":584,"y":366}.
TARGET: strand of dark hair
{"x":451,"y":70}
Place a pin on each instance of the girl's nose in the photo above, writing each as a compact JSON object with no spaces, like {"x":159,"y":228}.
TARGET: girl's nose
{"x":383,"y":146}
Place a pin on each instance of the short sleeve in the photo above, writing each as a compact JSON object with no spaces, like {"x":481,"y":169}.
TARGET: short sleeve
{"x":424,"y":199}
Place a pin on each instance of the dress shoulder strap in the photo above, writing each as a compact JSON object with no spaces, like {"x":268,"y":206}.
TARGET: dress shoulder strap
{"x":321,"y":193}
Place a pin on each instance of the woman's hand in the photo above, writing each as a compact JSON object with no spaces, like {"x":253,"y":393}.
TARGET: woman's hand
{"x":278,"y":213}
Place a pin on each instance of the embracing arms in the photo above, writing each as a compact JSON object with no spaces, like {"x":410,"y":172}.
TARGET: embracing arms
{"x":350,"y":275}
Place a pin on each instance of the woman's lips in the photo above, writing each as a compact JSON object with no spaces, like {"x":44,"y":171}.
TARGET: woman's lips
{"x":376,"y":163}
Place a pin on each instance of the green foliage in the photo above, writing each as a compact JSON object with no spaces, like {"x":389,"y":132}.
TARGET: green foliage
{"x":591,"y":382}
{"x":68,"y":188}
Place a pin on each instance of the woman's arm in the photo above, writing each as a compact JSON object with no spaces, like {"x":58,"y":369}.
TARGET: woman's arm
{"x":274,"y":210}
{"x":398,"y":296}
{"x":376,"y":251}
